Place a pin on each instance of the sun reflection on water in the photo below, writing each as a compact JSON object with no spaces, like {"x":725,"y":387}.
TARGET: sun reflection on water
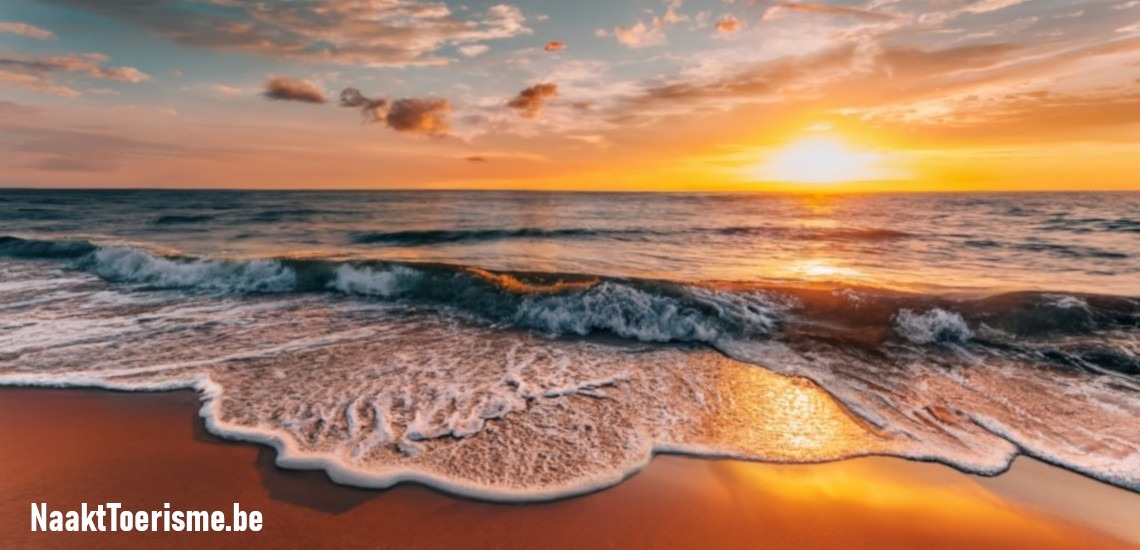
{"x":789,"y":418}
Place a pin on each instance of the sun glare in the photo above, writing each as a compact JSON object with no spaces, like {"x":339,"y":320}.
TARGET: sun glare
{"x":819,"y":160}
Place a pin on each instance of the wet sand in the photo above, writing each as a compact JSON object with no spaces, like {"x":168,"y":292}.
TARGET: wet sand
{"x":70,"y":446}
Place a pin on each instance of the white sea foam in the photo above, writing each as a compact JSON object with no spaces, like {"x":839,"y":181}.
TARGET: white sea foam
{"x":635,"y":313}
{"x":133,"y":265}
{"x":376,"y":394}
{"x":932,"y":326}
{"x":1065,"y":301}
{"x":368,"y":281}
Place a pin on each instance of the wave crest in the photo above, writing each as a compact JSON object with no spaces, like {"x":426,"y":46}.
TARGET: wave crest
{"x":16,"y":247}
{"x":131,"y":265}
{"x":638,"y":309}
{"x":936,"y":326}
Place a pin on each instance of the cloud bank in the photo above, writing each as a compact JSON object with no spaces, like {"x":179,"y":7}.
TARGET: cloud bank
{"x":351,"y":32}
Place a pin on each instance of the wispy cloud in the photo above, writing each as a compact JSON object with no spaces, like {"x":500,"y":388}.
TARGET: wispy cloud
{"x":359,"y":32}
{"x":473,"y":50}
{"x":779,"y":10}
{"x":40,"y":73}
{"x":88,"y":150}
{"x":642,"y":34}
{"x":24,"y":29}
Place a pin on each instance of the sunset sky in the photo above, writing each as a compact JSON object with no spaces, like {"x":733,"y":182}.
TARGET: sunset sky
{"x":544,"y":94}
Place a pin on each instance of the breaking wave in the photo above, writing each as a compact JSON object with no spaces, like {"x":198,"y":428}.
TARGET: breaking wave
{"x":522,"y":385}
{"x":580,"y":304}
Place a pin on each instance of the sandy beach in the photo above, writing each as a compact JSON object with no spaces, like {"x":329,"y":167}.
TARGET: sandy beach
{"x":71,"y":446}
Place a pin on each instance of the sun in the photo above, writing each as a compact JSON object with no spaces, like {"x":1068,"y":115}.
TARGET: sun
{"x":819,"y":160}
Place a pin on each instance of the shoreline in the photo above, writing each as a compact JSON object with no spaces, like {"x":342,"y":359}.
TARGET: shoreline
{"x":89,"y":445}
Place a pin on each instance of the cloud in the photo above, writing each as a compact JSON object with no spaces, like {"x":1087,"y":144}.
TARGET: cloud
{"x":847,"y":76}
{"x":24,"y":29}
{"x":530,"y":101}
{"x":728,"y":24}
{"x":67,"y":150}
{"x":475,"y":159}
{"x":1031,"y":115}
{"x":373,"y":110}
{"x":1129,"y":29}
{"x":423,"y":116}
{"x":473,"y":50}
{"x":286,"y":89}
{"x":8,"y":108}
{"x":981,"y":7}
{"x":38,"y":73}
{"x":89,"y":64}
{"x":916,"y":62}
{"x":986,"y":6}
{"x":554,"y":46}
{"x":353,"y":32}
{"x":414,"y":116}
{"x":34,"y":82}
{"x":640,"y":35}
{"x":61,"y":164}
{"x":746,"y":81}
{"x":779,"y":10}
{"x":225,"y":92}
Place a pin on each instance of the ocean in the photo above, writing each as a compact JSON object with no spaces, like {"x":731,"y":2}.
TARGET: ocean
{"x":525,"y":346}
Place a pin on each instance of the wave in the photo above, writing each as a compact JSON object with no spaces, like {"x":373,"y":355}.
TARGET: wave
{"x":638,"y":309}
{"x":429,"y":237}
{"x":932,"y":326}
{"x":441,"y":236}
{"x":820,"y":234}
{"x":1070,"y":251}
{"x":290,"y":214}
{"x":173,"y":219}
{"x":1092,"y":225}
{"x":16,"y":247}
{"x":380,"y":372}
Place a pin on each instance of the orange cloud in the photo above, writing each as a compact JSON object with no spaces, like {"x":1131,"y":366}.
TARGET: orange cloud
{"x":530,"y":101}
{"x":640,"y":35}
{"x":729,"y":24}
{"x":778,"y":10}
{"x":422,"y":116}
{"x":416,"y":116}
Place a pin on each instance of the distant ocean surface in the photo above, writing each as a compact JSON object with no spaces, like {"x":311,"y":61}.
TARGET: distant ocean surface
{"x":523,"y":346}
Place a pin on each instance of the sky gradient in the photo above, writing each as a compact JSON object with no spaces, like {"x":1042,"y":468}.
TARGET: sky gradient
{"x":696,"y":95}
